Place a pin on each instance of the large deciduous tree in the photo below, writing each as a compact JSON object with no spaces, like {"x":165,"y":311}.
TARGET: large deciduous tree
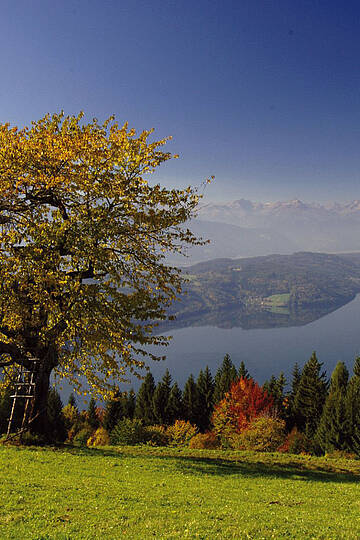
{"x":83,"y":241}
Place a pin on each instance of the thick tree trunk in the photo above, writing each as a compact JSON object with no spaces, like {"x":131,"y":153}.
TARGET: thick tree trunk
{"x":38,"y":417}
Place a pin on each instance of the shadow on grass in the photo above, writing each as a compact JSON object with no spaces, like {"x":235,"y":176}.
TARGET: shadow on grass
{"x":232,"y":465}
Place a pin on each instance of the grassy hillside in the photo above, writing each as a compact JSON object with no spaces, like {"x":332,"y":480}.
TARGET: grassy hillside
{"x":146,"y":492}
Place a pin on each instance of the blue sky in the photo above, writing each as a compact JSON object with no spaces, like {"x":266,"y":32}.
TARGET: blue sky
{"x":265,"y":95}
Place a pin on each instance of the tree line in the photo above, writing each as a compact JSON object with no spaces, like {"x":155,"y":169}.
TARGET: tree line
{"x":318,"y":414}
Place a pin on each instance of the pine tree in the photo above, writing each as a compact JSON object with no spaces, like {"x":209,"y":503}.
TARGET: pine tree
{"x":72,"y":401}
{"x":113,"y":411}
{"x":332,"y":433}
{"x":55,"y":416}
{"x":352,"y":404}
{"x":175,"y":409}
{"x":92,"y":416}
{"x":243,"y":372}
{"x":310,"y":397}
{"x":161,"y":398}
{"x":144,"y":400}
{"x":191,"y":401}
{"x":130,"y":404}
{"x":225,"y":376}
{"x":205,"y":388}
{"x":290,"y":399}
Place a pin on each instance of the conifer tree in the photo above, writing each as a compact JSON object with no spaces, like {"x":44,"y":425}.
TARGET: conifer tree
{"x":191,"y":401}
{"x":290,"y":405}
{"x":175,"y":409}
{"x":144,"y":400}
{"x":332,"y":433}
{"x":225,"y":376}
{"x":352,"y":404}
{"x":72,"y":401}
{"x":205,"y":388}
{"x":243,"y":372}
{"x":130,"y":404}
{"x":92,"y":416}
{"x":113,"y":411}
{"x":55,"y":416}
{"x":161,"y":398}
{"x":310,"y":397}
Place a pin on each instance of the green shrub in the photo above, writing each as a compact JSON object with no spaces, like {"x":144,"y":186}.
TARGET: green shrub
{"x":82,"y":436}
{"x":129,"y":431}
{"x":181,"y":432}
{"x":264,"y":434}
{"x":205,"y":440}
{"x":99,"y":438}
{"x":157,"y":436}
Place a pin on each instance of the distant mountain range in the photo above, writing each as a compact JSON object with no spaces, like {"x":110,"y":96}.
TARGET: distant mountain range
{"x":244,"y":228}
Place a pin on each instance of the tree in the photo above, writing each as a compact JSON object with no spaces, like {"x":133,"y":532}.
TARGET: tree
{"x":92,"y":416}
{"x":243,"y":372}
{"x":161,"y":398}
{"x":191,"y":401}
{"x":144,"y":400}
{"x":205,"y":388}
{"x":175,"y":409}
{"x":352,"y":404}
{"x":55,"y":415}
{"x":275,"y":387}
{"x":72,"y":400}
{"x":122,"y":405}
{"x":290,"y":405}
{"x":225,"y":376}
{"x":332,"y":433}
{"x":310,"y":396}
{"x":83,"y":242}
{"x":245,"y":401}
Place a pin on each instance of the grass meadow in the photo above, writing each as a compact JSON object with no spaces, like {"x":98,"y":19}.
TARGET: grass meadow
{"x":143,"y":492}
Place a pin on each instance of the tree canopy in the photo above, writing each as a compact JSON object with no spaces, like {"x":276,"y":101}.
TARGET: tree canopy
{"x":83,"y":243}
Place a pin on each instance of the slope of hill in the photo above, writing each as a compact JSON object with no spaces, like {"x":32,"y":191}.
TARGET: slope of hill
{"x":269,"y":291}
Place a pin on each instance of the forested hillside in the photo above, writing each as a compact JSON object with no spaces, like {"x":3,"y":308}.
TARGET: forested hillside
{"x":274,"y":290}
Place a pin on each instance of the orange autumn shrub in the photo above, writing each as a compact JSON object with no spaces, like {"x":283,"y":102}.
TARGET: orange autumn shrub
{"x":207,"y":440}
{"x":245,"y":401}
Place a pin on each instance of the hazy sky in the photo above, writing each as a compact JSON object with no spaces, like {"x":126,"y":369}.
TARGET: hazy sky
{"x":265,"y":95}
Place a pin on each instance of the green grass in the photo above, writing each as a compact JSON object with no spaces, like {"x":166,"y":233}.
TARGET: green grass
{"x":278,"y":300}
{"x":144,"y":492}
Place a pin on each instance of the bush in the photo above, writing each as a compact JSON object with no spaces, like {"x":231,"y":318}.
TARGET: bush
{"x":181,"y":432}
{"x":295,"y":443}
{"x":205,"y":440}
{"x":157,"y":436}
{"x":82,"y":436}
{"x":99,"y":438}
{"x":129,"y":431}
{"x":264,"y":434}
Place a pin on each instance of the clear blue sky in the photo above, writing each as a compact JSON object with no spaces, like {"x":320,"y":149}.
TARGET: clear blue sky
{"x":265,"y":95}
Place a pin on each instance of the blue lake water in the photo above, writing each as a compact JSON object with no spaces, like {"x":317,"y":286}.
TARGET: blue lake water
{"x":335,"y":337}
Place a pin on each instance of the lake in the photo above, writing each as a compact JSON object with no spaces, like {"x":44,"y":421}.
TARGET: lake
{"x":335,"y":337}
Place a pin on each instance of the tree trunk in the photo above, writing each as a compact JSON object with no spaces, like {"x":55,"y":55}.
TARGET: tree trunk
{"x":38,"y":417}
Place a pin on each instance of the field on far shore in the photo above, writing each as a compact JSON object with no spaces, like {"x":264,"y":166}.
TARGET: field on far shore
{"x":143,"y":492}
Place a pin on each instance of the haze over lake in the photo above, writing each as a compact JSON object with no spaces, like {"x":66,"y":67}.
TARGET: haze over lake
{"x":335,"y":337}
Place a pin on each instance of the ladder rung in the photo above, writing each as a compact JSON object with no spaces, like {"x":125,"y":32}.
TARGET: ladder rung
{"x":18,"y":395}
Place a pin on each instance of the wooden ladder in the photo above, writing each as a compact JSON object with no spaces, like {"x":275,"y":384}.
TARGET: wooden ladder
{"x":24,"y":390}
